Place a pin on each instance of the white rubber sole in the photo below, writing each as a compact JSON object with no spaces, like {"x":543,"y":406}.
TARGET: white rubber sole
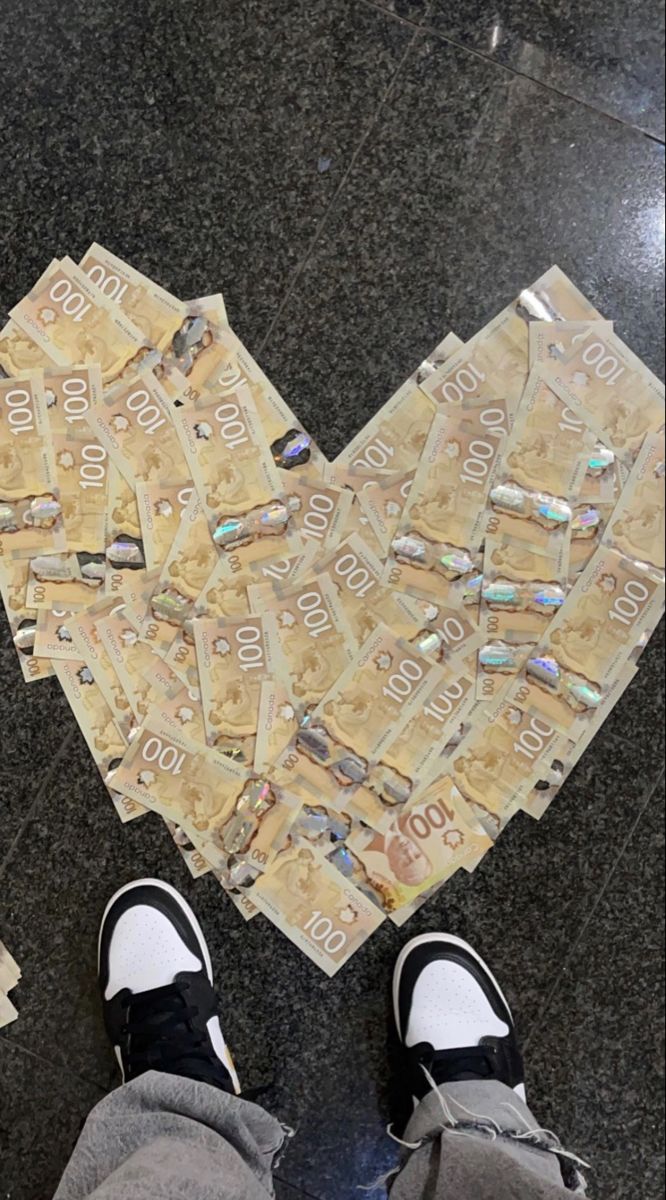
{"x":214,"y":1027}
{"x":447,"y":939}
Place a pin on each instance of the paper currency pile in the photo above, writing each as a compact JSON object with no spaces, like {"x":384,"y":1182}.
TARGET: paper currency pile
{"x":336,"y":682}
{"x":10,"y":974}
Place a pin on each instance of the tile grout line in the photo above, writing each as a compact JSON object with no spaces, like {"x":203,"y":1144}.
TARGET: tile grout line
{"x":297,"y":273}
{"x":298,"y":1191}
{"x":547,"y":87}
{"x":543,"y":1011}
{"x":394,"y":16}
{"x":19,"y":1048}
{"x":424,"y":28}
{"x":626,"y":741}
{"x":620,"y":737}
{"x":46,"y":779}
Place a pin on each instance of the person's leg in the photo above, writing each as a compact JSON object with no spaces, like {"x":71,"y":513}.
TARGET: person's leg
{"x":177,"y":1126}
{"x":472,"y":1135}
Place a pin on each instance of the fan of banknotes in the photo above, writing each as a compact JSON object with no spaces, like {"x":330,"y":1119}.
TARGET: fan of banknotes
{"x":335,"y":682}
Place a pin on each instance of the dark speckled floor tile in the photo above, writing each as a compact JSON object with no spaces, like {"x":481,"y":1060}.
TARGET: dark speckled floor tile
{"x":34,"y":717}
{"x":597,"y":1060}
{"x":204,"y":150}
{"x":42,"y":1111}
{"x":474,"y":182}
{"x":639,"y":716}
{"x":608,"y":55}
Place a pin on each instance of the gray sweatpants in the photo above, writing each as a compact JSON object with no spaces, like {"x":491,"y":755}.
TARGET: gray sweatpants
{"x":166,"y":1138}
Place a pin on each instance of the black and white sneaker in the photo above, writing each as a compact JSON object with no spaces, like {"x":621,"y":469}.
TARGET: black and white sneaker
{"x":156,"y":980}
{"x":452,"y":1017}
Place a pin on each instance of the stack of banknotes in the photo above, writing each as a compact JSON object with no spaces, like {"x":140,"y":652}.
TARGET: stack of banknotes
{"x":9,"y":976}
{"x":335,"y":681}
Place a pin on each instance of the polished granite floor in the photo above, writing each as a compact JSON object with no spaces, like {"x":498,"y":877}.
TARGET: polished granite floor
{"x":358,"y":177}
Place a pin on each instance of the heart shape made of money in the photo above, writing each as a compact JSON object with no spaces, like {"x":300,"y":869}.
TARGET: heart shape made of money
{"x":335,"y":682}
